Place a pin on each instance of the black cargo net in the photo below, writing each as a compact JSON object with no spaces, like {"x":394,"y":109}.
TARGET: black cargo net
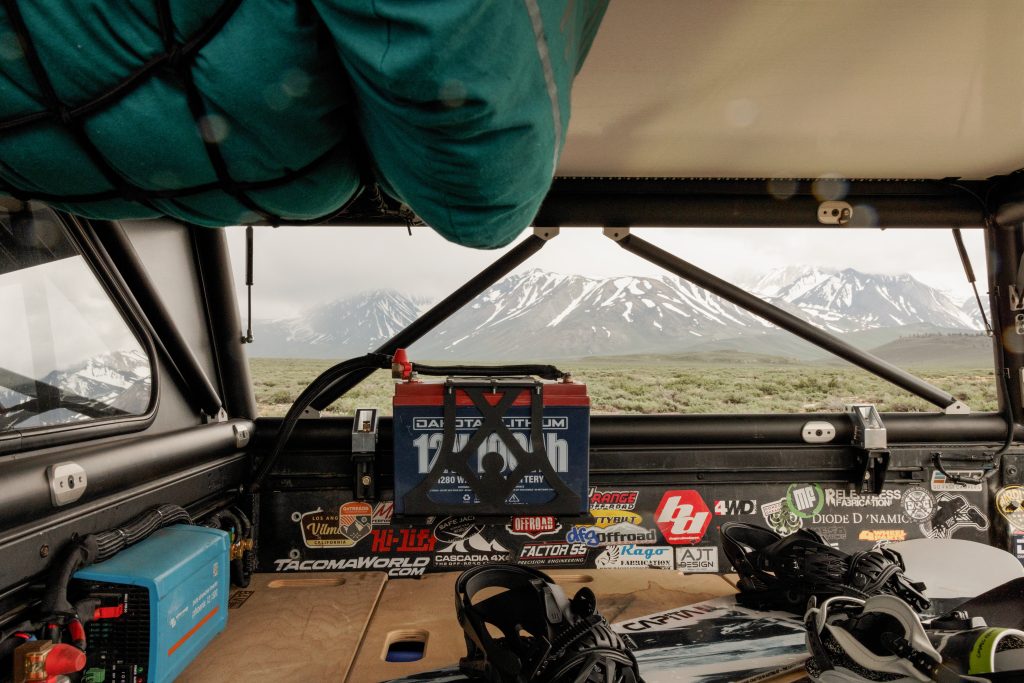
{"x":175,"y":62}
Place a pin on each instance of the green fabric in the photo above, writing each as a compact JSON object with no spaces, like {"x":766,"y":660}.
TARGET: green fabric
{"x":447,"y":102}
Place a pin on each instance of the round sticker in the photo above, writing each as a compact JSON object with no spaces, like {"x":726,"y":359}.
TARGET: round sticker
{"x":805,"y":500}
{"x":1010,"y":503}
{"x":918,"y":504}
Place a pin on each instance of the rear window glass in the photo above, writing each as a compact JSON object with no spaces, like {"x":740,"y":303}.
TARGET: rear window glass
{"x":66,"y":354}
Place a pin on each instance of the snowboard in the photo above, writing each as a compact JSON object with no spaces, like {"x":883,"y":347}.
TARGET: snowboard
{"x":719,"y":641}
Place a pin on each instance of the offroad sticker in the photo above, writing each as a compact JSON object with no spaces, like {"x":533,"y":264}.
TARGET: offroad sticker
{"x":682,"y":517}
{"x":735,"y":507}
{"x":464,"y":543}
{"x":1010,"y":504}
{"x":941,"y":482}
{"x":632,"y":556}
{"x":403,"y":541}
{"x":779,"y":518}
{"x":395,"y":566}
{"x":953,"y":512}
{"x":617,"y":534}
{"x":918,"y":504}
{"x":698,"y":559}
{"x":882,"y":535}
{"x":534,"y":527}
{"x":341,"y":529}
{"x":553,"y":554}
{"x":804,"y":500}
{"x":612,"y":500}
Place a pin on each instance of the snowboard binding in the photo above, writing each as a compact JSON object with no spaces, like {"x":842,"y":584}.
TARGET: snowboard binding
{"x":883,"y":639}
{"x":545,"y":636}
{"x":785,"y":572}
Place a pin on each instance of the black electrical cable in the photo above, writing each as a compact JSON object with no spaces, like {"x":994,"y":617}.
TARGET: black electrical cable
{"x":99,"y":547}
{"x":308,"y":395}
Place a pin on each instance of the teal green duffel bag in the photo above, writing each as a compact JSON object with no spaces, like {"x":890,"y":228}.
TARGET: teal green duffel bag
{"x":275,"y":111}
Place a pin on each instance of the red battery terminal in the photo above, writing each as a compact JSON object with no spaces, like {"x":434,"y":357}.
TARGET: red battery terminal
{"x":401,"y":366}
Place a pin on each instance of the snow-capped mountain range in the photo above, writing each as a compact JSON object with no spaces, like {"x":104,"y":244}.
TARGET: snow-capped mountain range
{"x":538,"y":314}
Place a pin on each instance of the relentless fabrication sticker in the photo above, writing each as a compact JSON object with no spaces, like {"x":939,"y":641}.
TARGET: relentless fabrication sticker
{"x":779,"y":518}
{"x":845,"y":499}
{"x":341,"y":529}
{"x":698,"y":559}
{"x":534,"y":527}
{"x":635,"y":557}
{"x":953,"y":512}
{"x":970,"y":480}
{"x":1010,"y":503}
{"x":553,"y":554}
{"x":682,"y":517}
{"x":612,"y":500}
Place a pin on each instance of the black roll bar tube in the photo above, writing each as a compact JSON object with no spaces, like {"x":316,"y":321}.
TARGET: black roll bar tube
{"x":786,"y":321}
{"x":128,"y":264}
{"x":442,"y":311}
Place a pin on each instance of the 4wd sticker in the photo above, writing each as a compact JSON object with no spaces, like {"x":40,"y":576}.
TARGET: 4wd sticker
{"x":612,"y":500}
{"x":553,"y":554}
{"x":682,"y":517}
{"x":341,"y":529}
{"x":1010,"y":504}
{"x":735,"y":507}
{"x":698,"y":559}
{"x":953,"y":512}
{"x":534,"y":527}
{"x":635,"y":557}
{"x":395,"y":566}
{"x":941,"y":482}
{"x":779,"y":518}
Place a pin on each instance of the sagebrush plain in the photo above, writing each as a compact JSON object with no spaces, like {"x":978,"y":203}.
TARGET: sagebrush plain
{"x":711,"y":383}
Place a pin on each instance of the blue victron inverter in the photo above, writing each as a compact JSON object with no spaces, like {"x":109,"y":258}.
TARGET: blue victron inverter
{"x":161,"y":601}
{"x":491,"y":446}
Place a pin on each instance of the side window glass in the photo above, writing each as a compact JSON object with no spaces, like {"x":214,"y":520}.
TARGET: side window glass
{"x":66,"y":353}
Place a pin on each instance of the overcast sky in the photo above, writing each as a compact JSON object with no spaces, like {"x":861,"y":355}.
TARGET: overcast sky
{"x":297,"y":267}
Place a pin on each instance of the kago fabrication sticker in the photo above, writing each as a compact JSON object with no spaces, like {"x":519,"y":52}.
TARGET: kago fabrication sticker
{"x":1010,"y":504}
{"x":635,"y":557}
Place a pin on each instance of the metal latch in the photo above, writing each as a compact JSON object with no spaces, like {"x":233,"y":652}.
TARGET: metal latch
{"x":67,"y":482}
{"x":870,"y":436}
{"x":364,"y":453}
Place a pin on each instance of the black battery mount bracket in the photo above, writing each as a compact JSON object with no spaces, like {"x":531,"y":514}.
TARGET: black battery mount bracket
{"x":491,"y":487}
